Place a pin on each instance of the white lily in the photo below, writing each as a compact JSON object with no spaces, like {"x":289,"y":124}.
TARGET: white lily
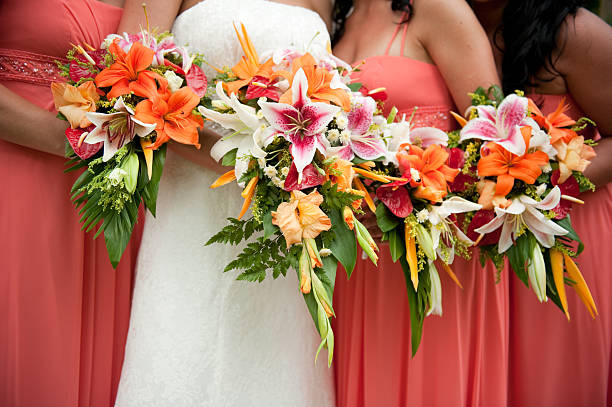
{"x":537,"y":273}
{"x":445,"y":228}
{"x":435,"y":292}
{"x":249,"y":134}
{"x":116,"y":129}
{"x":525,"y":212}
{"x":539,"y":141}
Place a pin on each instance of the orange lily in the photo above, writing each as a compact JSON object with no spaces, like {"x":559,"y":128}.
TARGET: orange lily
{"x":73,"y":102}
{"x":433,"y":172}
{"x":128,"y":68}
{"x":301,"y":217}
{"x":319,"y":83}
{"x":508,"y":166}
{"x":249,"y":66}
{"x":173,"y":114}
{"x":554,"y":122}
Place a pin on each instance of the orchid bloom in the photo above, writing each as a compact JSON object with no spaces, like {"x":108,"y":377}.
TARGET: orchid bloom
{"x":74,"y":102}
{"x":444,"y":226}
{"x":501,"y":126}
{"x":525,"y":212}
{"x":301,"y":218}
{"x":116,"y":129}
{"x":249,"y":134}
{"x":360,"y":142}
{"x":402,"y":133}
{"x":573,"y":156}
{"x":301,"y":123}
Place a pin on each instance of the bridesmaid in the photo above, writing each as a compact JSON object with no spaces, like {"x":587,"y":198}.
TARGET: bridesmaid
{"x":430,"y":55}
{"x":64,"y":310}
{"x":554,"y":50}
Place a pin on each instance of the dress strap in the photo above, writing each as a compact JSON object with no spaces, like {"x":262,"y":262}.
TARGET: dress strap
{"x":29,"y":67}
{"x":404,"y":27}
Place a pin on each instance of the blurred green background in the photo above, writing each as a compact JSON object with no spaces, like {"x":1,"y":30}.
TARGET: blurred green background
{"x":601,"y":7}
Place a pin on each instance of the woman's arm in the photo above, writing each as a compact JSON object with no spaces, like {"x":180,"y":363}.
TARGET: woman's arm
{"x":586,"y":65}
{"x":202,"y":156}
{"x":455,"y":41}
{"x":28,"y":125}
{"x":161,"y":13}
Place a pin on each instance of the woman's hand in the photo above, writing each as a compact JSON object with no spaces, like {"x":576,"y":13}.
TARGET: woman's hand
{"x":24,"y":123}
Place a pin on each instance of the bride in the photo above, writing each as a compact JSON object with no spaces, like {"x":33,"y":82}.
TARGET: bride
{"x":197,"y":336}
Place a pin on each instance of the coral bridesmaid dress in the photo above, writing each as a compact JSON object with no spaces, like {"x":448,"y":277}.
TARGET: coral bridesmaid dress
{"x":64,"y":311}
{"x":554,"y":362}
{"x":460,"y":352}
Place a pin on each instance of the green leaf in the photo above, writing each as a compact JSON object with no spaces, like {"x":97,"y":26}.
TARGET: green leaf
{"x":269,"y":228}
{"x":344,"y":245}
{"x":117,"y":235}
{"x":566,"y":223}
{"x":149,"y":193}
{"x":335,"y":199}
{"x":519,"y":255}
{"x":354,"y":87}
{"x":416,"y":304}
{"x":385,"y":219}
{"x":397,"y":246}
{"x":229,"y":159}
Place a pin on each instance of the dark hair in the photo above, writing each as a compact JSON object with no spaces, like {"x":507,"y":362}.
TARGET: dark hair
{"x":530,"y":30}
{"x":343,"y":8}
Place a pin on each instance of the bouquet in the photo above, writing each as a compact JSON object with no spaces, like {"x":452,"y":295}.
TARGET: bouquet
{"x":124,"y":102}
{"x":526,"y":171}
{"x":418,"y":212}
{"x":297,"y":137}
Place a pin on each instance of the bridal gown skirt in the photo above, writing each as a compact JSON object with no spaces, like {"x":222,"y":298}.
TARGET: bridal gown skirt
{"x":197,"y":336}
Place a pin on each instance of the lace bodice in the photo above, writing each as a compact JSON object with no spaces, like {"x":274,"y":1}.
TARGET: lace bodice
{"x":208,"y":28}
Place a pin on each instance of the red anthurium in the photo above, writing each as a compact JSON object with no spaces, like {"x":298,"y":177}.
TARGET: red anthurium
{"x":570,"y":188}
{"x":196,"y":80}
{"x":396,"y":197}
{"x":310,"y":178}
{"x":456,"y":159}
{"x":482,"y":217}
{"x":78,"y":72}
{"x":83,"y":150}
{"x":378,"y":94}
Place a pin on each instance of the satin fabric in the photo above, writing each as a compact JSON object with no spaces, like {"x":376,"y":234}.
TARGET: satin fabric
{"x":64,"y":311}
{"x":554,"y":362}
{"x":463,"y":356}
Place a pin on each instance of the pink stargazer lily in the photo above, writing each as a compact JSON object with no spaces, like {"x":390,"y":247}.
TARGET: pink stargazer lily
{"x":360,"y":142}
{"x":301,"y":123}
{"x":501,"y":126}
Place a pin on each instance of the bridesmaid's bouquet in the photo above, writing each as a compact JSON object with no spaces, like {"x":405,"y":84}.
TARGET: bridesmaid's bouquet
{"x":526,"y":171}
{"x":418,"y":212}
{"x":298,"y":139}
{"x":124,"y":102}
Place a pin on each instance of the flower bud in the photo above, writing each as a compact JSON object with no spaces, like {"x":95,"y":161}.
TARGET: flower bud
{"x":537,"y":273}
{"x":424,"y":239}
{"x":435,"y":293}
{"x":130,"y":166}
{"x":349,"y":217}
{"x":305,"y":272}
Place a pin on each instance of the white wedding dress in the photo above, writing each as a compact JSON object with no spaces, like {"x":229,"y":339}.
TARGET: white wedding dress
{"x":197,"y":336}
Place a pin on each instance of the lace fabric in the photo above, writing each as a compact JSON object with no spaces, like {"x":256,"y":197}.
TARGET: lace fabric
{"x":29,"y":67}
{"x":197,"y":336}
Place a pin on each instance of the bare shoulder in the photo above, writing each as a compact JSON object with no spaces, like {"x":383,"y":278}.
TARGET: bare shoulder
{"x":584,"y":38}
{"x":444,"y":18}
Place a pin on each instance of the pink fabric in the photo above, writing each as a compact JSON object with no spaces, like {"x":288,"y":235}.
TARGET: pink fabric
{"x":463,"y":357}
{"x":64,"y":312}
{"x":554,"y":362}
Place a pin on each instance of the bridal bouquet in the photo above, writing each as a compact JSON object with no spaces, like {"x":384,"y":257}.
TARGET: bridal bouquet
{"x":297,"y":138}
{"x":124,"y":102}
{"x":526,"y":170}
